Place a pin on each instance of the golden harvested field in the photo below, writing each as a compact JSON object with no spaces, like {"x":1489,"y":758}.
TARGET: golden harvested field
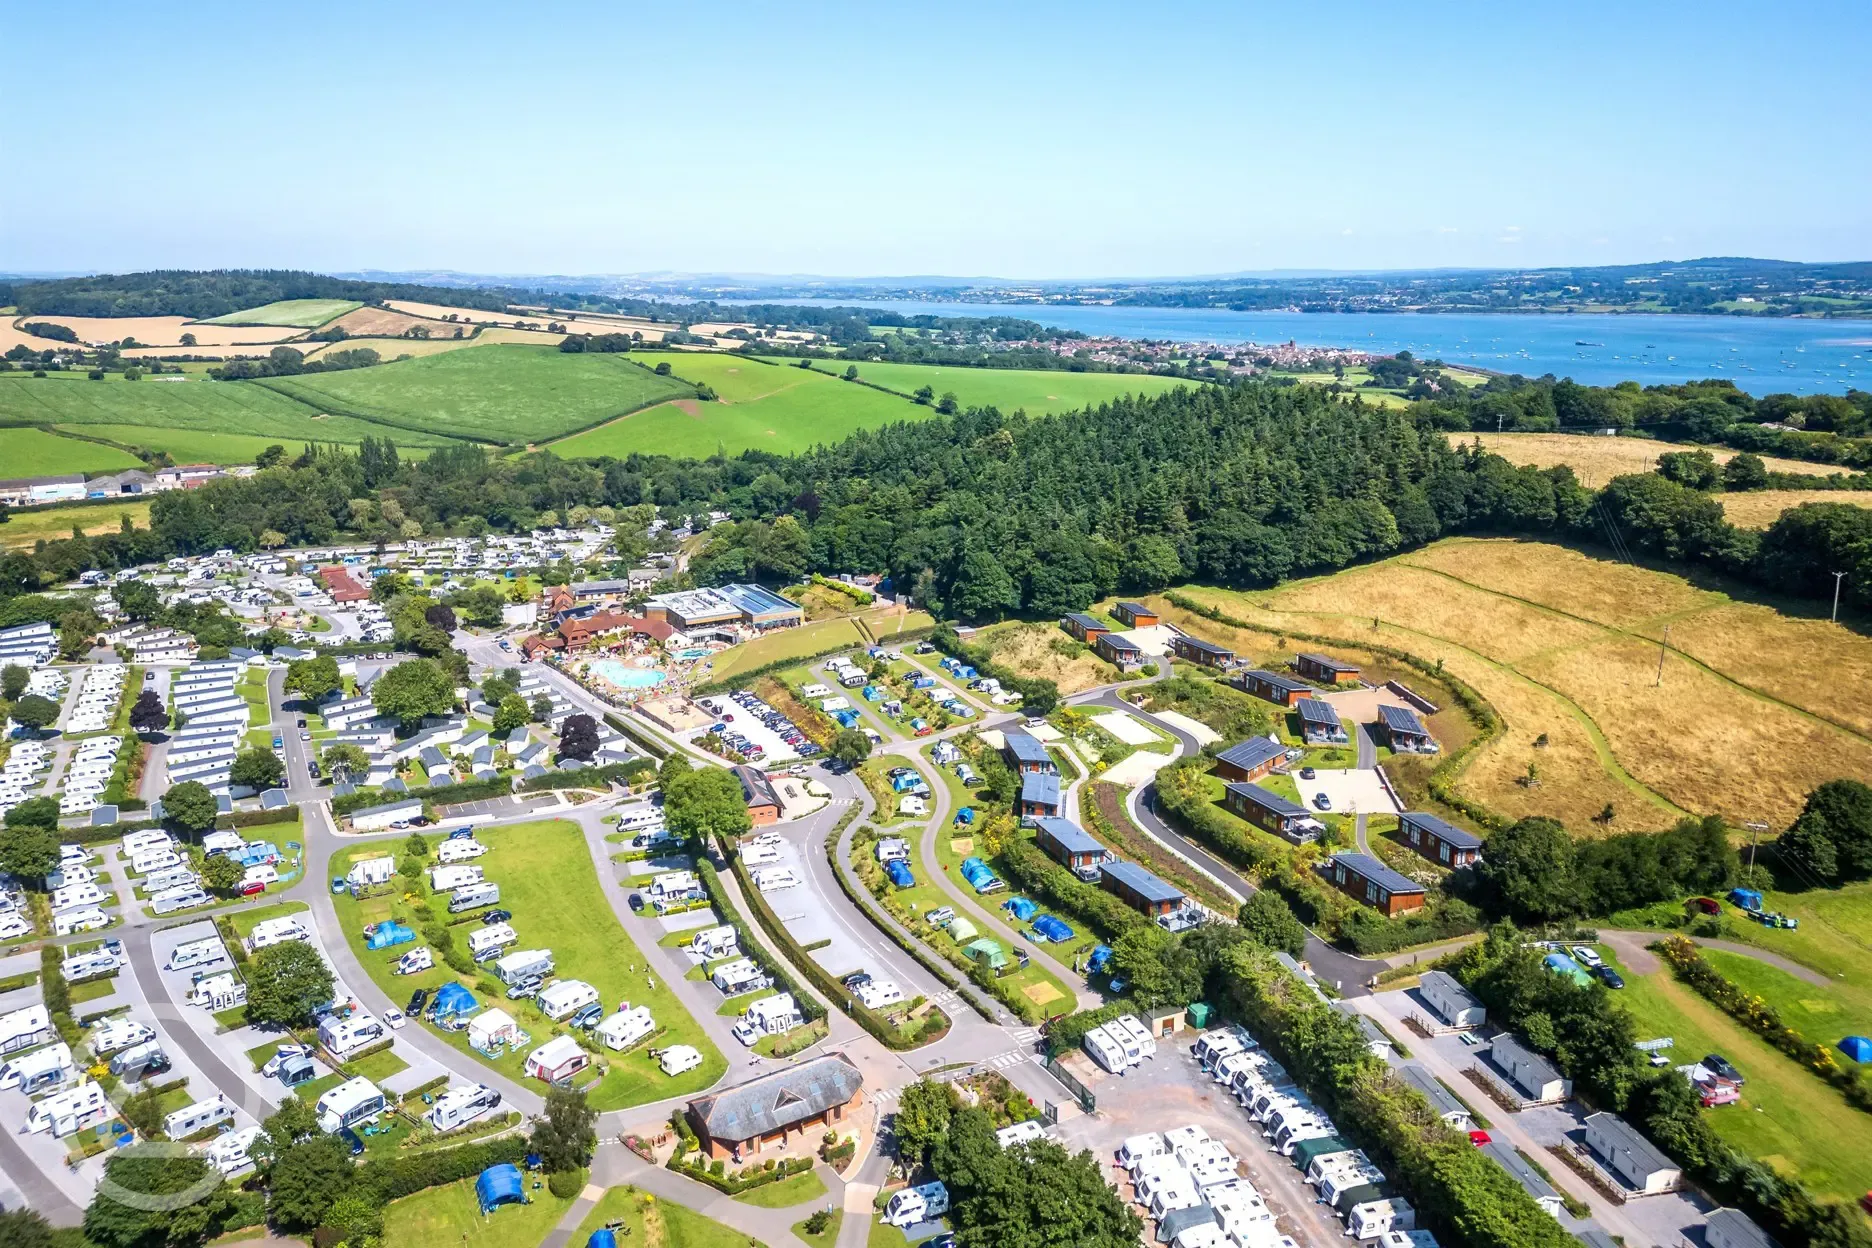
{"x":11,"y":337}
{"x":390,"y":348}
{"x":370,"y":322}
{"x":1757,"y":509}
{"x":167,"y":331}
{"x":1568,"y":645}
{"x":1597,"y":460}
{"x":1028,"y":648}
{"x":586,"y":324}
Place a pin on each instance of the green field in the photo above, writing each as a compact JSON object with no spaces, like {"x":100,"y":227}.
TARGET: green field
{"x":166,"y":408}
{"x":294,"y":313}
{"x":193,"y":446}
{"x":1036,"y":390}
{"x":36,"y":453}
{"x":647,"y":1220}
{"x":548,"y":881}
{"x":450,"y":1215}
{"x":513,"y":395}
{"x":763,"y":406}
{"x":24,"y":528}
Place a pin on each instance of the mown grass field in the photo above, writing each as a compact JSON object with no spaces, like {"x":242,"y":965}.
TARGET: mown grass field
{"x":651,"y":1221}
{"x":23,"y":528}
{"x":36,"y":453}
{"x":548,"y":881}
{"x":1567,"y":647}
{"x":1036,"y":390}
{"x":450,"y":1215}
{"x":294,"y":313}
{"x":817,"y":638}
{"x":1757,"y":509}
{"x":199,"y":446}
{"x":1596,"y":460}
{"x":513,"y":395}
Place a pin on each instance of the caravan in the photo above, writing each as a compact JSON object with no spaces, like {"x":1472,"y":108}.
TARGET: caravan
{"x":166,"y":879}
{"x":625,"y":1028}
{"x":113,"y":1034}
{"x":566,"y":998}
{"x":71,"y":922}
{"x":269,"y":932}
{"x":1103,"y":1050}
{"x":232,"y":1153}
{"x":739,"y":976}
{"x":1136,"y":1149}
{"x":350,"y":1104}
{"x":218,"y":992}
{"x":769,"y":1016}
{"x":1137,"y":1032}
{"x":461,"y":1105}
{"x":257,"y":877}
{"x":715,"y":942}
{"x":70,"y":1111}
{"x":25,"y":1029}
{"x":41,"y":1070}
{"x":76,"y":897}
{"x":487,"y":941}
{"x":459,"y":849}
{"x":343,"y":1037}
{"x":156,"y":858}
{"x":174,"y":899}
{"x":205,"y":952}
{"x":917,"y":1204}
{"x":200,"y":1116}
{"x":140,"y":1060}
{"x":83,"y":966}
{"x":523,"y":965}
{"x":473,"y":897}
{"x":446,"y":879}
{"x":1020,"y":1133}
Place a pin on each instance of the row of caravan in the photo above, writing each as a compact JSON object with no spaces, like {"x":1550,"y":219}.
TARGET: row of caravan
{"x":1119,"y":1045}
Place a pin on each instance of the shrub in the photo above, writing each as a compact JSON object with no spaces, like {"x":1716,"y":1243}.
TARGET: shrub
{"x":565,"y":1184}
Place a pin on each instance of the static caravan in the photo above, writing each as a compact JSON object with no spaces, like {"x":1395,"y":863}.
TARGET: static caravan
{"x":1377,"y":1217}
{"x":447,"y":879}
{"x":69,"y":1111}
{"x":1452,"y":1003}
{"x":490,"y":940}
{"x":566,"y":998}
{"x":452,"y":851}
{"x":917,"y":1204}
{"x":25,"y":1029}
{"x":205,"y":952}
{"x":524,"y":964}
{"x":739,"y":976}
{"x":461,"y":1105}
{"x":351,"y":1103}
{"x":112,"y":1034}
{"x":171,"y":900}
{"x":200,"y":1116}
{"x":473,"y":897}
{"x":344,"y":1036}
{"x":41,"y":1070}
{"x":1105,"y":1051}
{"x":270,"y":932}
{"x":715,"y":942}
{"x":135,"y":843}
{"x":232,"y":1152}
{"x":625,"y":1028}
{"x":1020,"y":1133}
{"x":83,"y":966}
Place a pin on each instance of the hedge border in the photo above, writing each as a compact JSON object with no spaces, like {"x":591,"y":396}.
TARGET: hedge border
{"x":811,"y":1008}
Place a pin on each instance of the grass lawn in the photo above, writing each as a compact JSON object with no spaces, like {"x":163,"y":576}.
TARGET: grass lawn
{"x":36,"y":453}
{"x":825,"y":1238}
{"x":294,"y":313}
{"x":450,"y":1215}
{"x":644,"y":1219}
{"x":201,"y":446}
{"x":513,"y":395}
{"x":547,"y":880}
{"x":92,"y":989}
{"x":1036,"y":390}
{"x":26,"y":528}
{"x":1787,"y":1117}
{"x":244,"y":921}
{"x":816,"y":638}
{"x":786,"y":1193}
{"x":378,"y":1066}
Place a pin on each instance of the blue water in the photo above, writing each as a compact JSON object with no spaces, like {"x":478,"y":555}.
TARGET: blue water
{"x":625,"y":676}
{"x":1766,"y":356}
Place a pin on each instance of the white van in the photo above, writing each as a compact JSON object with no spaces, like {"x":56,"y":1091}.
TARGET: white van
{"x":205,"y":952}
{"x":461,"y":1105}
{"x":679,"y":1058}
{"x":715,"y":942}
{"x":473,"y":897}
{"x":200,"y":1116}
{"x":566,"y":998}
{"x":488,"y":941}
{"x":70,"y":922}
{"x":41,"y":1070}
{"x":917,"y":1204}
{"x":1103,"y":1050}
{"x":447,"y":879}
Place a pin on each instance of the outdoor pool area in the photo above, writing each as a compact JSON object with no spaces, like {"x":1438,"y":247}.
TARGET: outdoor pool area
{"x":697,"y":652}
{"x":624,"y":676}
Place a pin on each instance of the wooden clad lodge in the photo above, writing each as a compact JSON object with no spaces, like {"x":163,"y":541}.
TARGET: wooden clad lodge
{"x":1121,"y":652}
{"x":1250,"y":760}
{"x":1440,"y":842}
{"x":1271,"y":812}
{"x":1274,"y":687}
{"x":1069,"y":845}
{"x":1085,"y":627}
{"x":1039,"y":796}
{"x":1135,"y":615}
{"x":1141,"y":889}
{"x":1202,"y":653}
{"x":1363,"y":878}
{"x":1404,"y":732}
{"x":1026,"y":754}
{"x":1319,"y":723}
{"x":1325,"y":669}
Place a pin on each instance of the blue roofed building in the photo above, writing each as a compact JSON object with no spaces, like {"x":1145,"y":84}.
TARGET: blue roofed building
{"x":1039,"y":796}
{"x":1070,"y":845}
{"x":1025,"y":754}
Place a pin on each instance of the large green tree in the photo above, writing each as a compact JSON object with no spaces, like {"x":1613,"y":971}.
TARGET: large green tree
{"x":1528,"y":870}
{"x":287,"y":984}
{"x":314,"y":679}
{"x":705,"y":803}
{"x":566,"y":1134}
{"x":257,"y":769}
{"x":923,"y":1115}
{"x":1267,"y":918}
{"x":191,"y":1200}
{"x":412,"y":690}
{"x":189,"y":808}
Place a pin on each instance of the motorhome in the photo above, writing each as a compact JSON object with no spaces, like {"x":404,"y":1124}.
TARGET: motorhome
{"x":1138,"y":1147}
{"x":473,"y":897}
{"x":640,"y":818}
{"x":344,"y":1036}
{"x":115,"y":1033}
{"x":82,"y":966}
{"x":715,"y":942}
{"x":446,"y":879}
{"x":269,"y":932}
{"x":1105,"y":1051}
{"x":200,"y":1116}
{"x":140,"y":1060}
{"x":459,"y":851}
{"x":232,"y":1151}
{"x":739,"y":976}
{"x":461,"y":1105}
{"x":193,"y":953}
{"x":71,"y":922}
{"x":912,"y":1205}
{"x":350,"y":1104}
{"x":625,"y":1028}
{"x":486,"y":942}
{"x":171,"y":900}
{"x":41,"y":1070}
{"x":1020,"y":1133}
{"x":567,"y":997}
{"x":74,"y":1109}
{"x":524,"y":964}
{"x":25,"y":1029}
{"x":652,"y":838}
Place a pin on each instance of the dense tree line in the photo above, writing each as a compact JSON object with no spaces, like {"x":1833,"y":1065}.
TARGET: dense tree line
{"x":201,"y":295}
{"x":290,"y":362}
{"x":1535,"y":872}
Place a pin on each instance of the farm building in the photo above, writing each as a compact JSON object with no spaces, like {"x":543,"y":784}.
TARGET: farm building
{"x":1364,"y":878}
{"x":763,"y":804}
{"x":1039,"y":796}
{"x":1532,"y":1075}
{"x":1202,"y":653}
{"x":1440,"y":842}
{"x":1069,"y":844}
{"x":1135,"y":615}
{"x":1634,"y":1160}
{"x":1319,"y":723}
{"x":1121,"y":652}
{"x":1527,"y":1176}
{"x":1249,"y":760}
{"x":1141,"y":889}
{"x":1731,"y":1228}
{"x":1085,"y":627}
{"x":1028,"y":754}
{"x":1274,"y":687}
{"x":1404,"y":732}
{"x":1271,"y":812}
{"x":30,"y":491}
{"x":1441,"y":1099}
{"x":777,"y":1109}
{"x":1325,"y":669}
{"x":1450,"y":1001}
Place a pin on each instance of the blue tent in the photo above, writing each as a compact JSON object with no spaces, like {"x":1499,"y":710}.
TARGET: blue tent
{"x":1100,"y":956}
{"x":500,"y":1185}
{"x":388,"y":933}
{"x":1053,"y":929}
{"x":977,"y":873}
{"x":1747,"y":898}
{"x":900,"y":873}
{"x":603,"y":1237}
{"x":453,"y":999}
{"x":1857,"y":1047}
{"x":1020,"y":907}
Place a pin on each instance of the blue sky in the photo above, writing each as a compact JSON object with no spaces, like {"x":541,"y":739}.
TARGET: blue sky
{"x":1024,"y":140}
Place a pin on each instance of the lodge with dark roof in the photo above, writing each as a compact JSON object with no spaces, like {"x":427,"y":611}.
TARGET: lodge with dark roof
{"x":1139,"y":888}
{"x":1085,"y":627}
{"x":1440,"y":842}
{"x":1363,"y":878}
{"x":1404,"y":732}
{"x":1039,"y":796}
{"x":1250,"y":759}
{"x":1121,"y":652}
{"x":763,"y":804}
{"x":1028,"y":754}
{"x":1273,"y":687}
{"x":1271,"y":812}
{"x":1325,"y":669}
{"x":1202,"y":653}
{"x":1069,"y":844}
{"x":1135,"y":615}
{"x":1319,"y":723}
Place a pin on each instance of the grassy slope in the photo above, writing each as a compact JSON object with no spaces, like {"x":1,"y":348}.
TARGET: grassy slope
{"x":507,"y":394}
{"x":547,"y":880}
{"x":764,"y":406}
{"x":188,"y":446}
{"x":450,"y":1215}
{"x":1036,"y":390}
{"x":675,"y":1226}
{"x":36,"y":453}
{"x":24,"y":528}
{"x":1757,"y":509}
{"x":296,"y":313}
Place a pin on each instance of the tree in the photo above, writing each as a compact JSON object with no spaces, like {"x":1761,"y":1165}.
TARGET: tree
{"x":1528,"y":870}
{"x":1268,"y":918}
{"x":306,"y":1179}
{"x":566,"y":1134}
{"x":442,"y":617}
{"x":413,"y":689}
{"x":35,"y":712}
{"x":314,"y":680}
{"x":851,"y":747}
{"x":183,"y":1200}
{"x":344,"y":759}
{"x":851,"y":372}
{"x":35,"y":812}
{"x":948,"y":405}
{"x":148,"y":714}
{"x":481,"y":605}
{"x":138,"y":600}
{"x":18,"y":575}
{"x":23,"y":1228}
{"x":13,"y":681}
{"x":222,"y":874}
{"x":271,"y":457}
{"x":706,"y":802}
{"x":1745,"y":472}
{"x":1831,"y":837}
{"x":31,"y":853}
{"x":287,"y":984}
{"x":256,"y":769}
{"x":924,"y":1111}
{"x":501,"y":683}
{"x":542,"y":708}
{"x":189,"y":808}
{"x":578,"y":737}
{"x":511,"y":713}
{"x":1039,"y":697}
{"x":925,"y":394}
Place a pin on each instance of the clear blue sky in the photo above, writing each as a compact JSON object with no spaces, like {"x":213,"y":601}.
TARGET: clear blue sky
{"x":1009,"y":139}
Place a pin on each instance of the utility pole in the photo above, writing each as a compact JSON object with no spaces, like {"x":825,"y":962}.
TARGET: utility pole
{"x":1755,"y":831}
{"x":1662,"y":647}
{"x":1837,"y":578}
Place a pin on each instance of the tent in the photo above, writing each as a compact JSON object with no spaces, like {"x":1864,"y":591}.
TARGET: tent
{"x":494,"y":1027}
{"x":1021,"y":908}
{"x":389,"y":933}
{"x":603,"y":1237}
{"x":899,"y":871}
{"x":987,"y":953}
{"x":1747,"y":898}
{"x":453,"y":999}
{"x":1857,"y":1047}
{"x":961,"y":930}
{"x":1100,"y":956}
{"x":1053,"y":929}
{"x":500,"y":1185}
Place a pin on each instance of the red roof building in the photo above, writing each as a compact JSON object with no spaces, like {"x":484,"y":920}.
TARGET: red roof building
{"x":342,"y":586}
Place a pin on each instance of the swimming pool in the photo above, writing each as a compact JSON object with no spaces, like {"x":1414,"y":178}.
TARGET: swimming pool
{"x":699,"y":652}
{"x":624,"y":676}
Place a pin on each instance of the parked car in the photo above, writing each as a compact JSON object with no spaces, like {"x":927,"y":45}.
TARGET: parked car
{"x":587,"y":1018}
{"x":744,"y":1032}
{"x":528,"y":987}
{"x":417,"y":1000}
{"x":496,"y":916}
{"x":393,"y":1018}
{"x":1479,"y":1138}
{"x":856,"y":980}
{"x":352,"y":1141}
{"x":1719,"y":1066}
{"x":1587,"y":957}
{"x":1306,"y":773}
{"x":1609,"y":977}
{"x":1322,"y":802}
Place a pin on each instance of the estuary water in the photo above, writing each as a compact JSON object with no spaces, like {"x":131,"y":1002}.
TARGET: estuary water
{"x":1775,"y":355}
